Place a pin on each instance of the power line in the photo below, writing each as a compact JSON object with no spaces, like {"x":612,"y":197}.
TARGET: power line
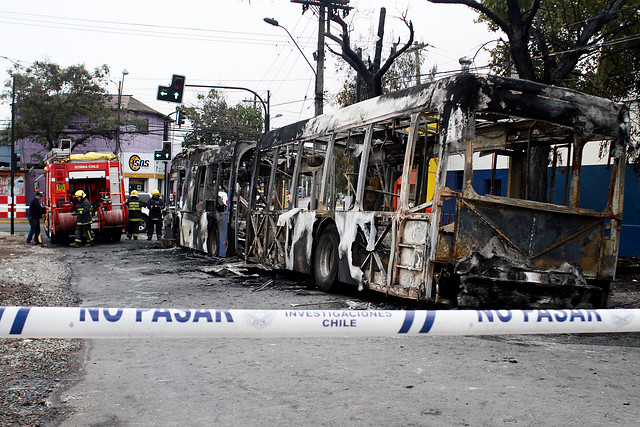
{"x":132,"y":24}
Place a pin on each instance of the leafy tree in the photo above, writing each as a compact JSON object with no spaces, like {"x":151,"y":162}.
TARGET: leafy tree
{"x":214,"y":122}
{"x":53,"y":102}
{"x":561,"y":42}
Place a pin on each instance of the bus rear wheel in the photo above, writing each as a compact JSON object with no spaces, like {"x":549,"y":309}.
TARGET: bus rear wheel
{"x":326,"y":259}
{"x":212,"y":241}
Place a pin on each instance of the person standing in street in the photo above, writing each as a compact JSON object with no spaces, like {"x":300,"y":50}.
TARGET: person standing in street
{"x":83,"y":220}
{"x":134,"y":206}
{"x":156,"y":204}
{"x":36,"y":210}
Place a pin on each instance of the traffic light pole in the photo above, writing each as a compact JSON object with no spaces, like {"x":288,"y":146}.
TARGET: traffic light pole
{"x":12,"y":162}
{"x":264,"y":105}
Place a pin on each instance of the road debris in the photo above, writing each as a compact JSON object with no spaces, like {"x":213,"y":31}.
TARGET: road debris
{"x":33,"y":371}
{"x":268,"y":283}
{"x":240,"y":268}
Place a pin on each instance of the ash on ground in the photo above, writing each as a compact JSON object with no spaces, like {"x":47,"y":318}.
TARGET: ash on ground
{"x":32,"y":372}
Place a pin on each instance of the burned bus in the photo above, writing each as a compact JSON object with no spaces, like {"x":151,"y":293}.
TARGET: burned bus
{"x":364,"y":196}
{"x":212,"y":186}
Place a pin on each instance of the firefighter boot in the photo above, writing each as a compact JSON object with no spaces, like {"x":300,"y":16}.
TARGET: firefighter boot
{"x":74,"y":244}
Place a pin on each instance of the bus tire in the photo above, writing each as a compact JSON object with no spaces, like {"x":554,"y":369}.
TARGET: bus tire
{"x":326,"y":259}
{"x":212,"y":241}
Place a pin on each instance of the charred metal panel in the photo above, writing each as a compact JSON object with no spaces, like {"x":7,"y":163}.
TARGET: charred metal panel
{"x":298,"y":244}
{"x":544,"y":237}
{"x":352,"y":225}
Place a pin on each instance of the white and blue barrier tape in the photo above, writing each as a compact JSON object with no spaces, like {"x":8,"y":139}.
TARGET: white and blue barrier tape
{"x":84,"y":322}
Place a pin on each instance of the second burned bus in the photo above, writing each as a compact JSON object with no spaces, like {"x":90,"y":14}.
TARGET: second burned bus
{"x":212,"y":186}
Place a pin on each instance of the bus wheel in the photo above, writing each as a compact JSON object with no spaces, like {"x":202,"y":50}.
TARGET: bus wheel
{"x":325,"y":260}
{"x":212,"y":241}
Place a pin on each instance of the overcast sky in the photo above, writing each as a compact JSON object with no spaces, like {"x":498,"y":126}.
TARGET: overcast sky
{"x":220,"y":43}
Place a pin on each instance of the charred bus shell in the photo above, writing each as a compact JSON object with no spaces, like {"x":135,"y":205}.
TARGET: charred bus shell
{"x":210,"y":211}
{"x":363,"y":196}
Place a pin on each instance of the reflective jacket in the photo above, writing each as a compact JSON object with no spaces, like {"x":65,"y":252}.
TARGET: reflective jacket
{"x":134,"y":205}
{"x":84,"y":212}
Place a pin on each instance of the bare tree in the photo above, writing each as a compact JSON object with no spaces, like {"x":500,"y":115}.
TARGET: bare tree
{"x":371,"y":72}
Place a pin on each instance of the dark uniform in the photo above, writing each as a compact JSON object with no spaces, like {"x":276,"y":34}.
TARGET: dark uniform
{"x":134,"y":206}
{"x":83,"y":223}
{"x":35,"y":213}
{"x":156,"y":204}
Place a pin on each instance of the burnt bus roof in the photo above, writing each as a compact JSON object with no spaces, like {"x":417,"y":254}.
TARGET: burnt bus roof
{"x":490,"y":95}
{"x":202,"y":155}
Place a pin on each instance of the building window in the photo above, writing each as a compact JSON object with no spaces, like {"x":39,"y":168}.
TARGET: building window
{"x":137,"y":184}
{"x":142,"y":126}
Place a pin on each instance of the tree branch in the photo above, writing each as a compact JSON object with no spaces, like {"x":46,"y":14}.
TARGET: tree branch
{"x":392,"y":57}
{"x":480,"y":8}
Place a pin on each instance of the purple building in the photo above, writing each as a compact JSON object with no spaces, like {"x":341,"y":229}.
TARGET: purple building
{"x":138,"y":142}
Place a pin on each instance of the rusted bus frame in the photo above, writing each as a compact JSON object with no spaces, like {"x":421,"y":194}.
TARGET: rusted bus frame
{"x":456,"y":100}
{"x":205,"y":156}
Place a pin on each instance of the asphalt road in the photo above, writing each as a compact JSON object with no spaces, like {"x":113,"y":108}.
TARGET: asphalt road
{"x":21,"y":228}
{"x":514,"y":380}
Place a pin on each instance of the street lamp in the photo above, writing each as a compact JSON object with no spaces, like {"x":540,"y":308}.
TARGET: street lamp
{"x":276,"y":24}
{"x":120,"y":86}
{"x":319,"y":72}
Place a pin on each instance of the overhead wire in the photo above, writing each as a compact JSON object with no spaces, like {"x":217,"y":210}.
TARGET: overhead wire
{"x":127,"y":28}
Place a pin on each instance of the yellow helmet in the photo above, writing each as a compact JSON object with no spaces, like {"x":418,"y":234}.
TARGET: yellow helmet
{"x":134,"y":193}
{"x":155,"y":193}
{"x":80,"y":194}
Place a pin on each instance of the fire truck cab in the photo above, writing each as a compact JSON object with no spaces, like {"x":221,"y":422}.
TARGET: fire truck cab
{"x":100,"y":177}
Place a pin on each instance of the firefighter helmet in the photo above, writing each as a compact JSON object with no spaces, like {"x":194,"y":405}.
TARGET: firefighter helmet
{"x":134,"y":193}
{"x":80,"y":194}
{"x":155,"y":193}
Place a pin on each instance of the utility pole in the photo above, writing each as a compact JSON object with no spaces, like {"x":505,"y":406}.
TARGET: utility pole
{"x":325,"y":10}
{"x":417,"y":47}
{"x":320,"y":63}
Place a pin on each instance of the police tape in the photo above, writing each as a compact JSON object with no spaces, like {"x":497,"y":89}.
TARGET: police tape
{"x":84,"y":322}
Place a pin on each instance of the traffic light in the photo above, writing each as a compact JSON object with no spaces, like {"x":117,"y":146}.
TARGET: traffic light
{"x":181,"y":117}
{"x":174,"y":92}
{"x":165,"y":153}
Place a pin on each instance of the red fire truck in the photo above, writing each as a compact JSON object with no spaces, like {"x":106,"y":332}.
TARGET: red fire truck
{"x":100,"y":177}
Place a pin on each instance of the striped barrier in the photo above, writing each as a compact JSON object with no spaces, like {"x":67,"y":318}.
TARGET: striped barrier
{"x":20,"y":207}
{"x":79,"y":322}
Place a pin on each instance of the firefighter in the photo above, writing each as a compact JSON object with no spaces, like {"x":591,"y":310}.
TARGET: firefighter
{"x":134,"y":206}
{"x":156,"y":204}
{"x":83,"y":220}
